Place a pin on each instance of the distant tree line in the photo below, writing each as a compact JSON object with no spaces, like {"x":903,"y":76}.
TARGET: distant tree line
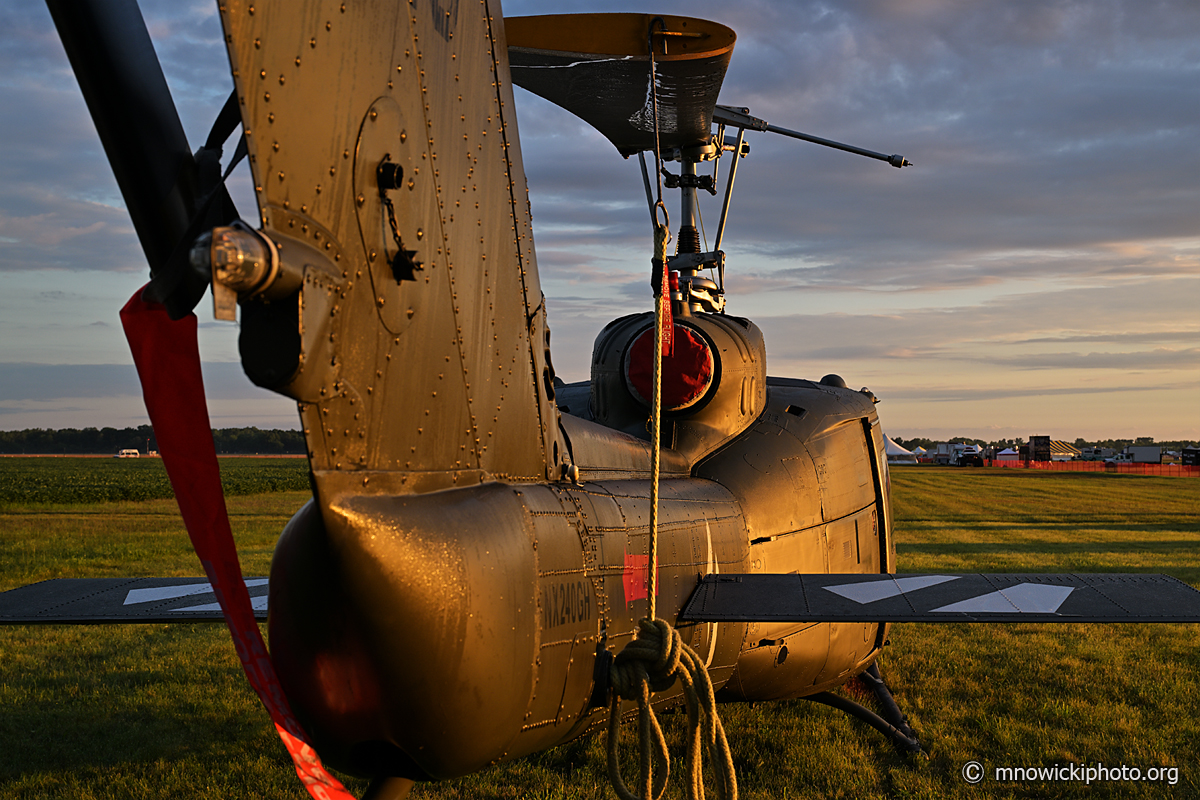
{"x":90,"y":441}
{"x":1000,"y":444}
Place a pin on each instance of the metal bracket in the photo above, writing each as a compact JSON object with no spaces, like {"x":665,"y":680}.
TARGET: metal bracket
{"x":738,"y":117}
{"x":704,"y":182}
{"x":604,"y":660}
{"x":693,"y":261}
{"x":389,"y":176}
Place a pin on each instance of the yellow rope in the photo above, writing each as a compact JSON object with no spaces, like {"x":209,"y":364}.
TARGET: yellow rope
{"x":652,"y":662}
{"x":661,"y":235}
{"x":657,"y":657}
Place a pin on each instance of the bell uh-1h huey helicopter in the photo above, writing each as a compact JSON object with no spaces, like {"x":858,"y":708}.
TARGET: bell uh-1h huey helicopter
{"x":479,"y":543}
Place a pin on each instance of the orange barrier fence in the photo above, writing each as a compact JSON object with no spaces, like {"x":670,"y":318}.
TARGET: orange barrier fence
{"x":1174,"y":470}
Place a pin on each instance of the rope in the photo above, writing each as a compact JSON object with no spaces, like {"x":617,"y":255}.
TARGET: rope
{"x":663,"y":340}
{"x":658,"y":167}
{"x":663,"y":335}
{"x":652,"y":662}
{"x":657,"y":657}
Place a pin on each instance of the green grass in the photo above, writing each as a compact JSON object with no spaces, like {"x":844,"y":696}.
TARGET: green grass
{"x":73,"y":481}
{"x":129,"y":539}
{"x":1013,"y":520}
{"x":163,"y":711}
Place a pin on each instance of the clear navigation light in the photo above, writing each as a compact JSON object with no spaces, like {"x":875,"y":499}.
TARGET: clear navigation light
{"x":237,"y":260}
{"x":240,"y":260}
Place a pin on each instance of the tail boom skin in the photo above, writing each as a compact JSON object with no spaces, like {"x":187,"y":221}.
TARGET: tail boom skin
{"x":478,"y":614}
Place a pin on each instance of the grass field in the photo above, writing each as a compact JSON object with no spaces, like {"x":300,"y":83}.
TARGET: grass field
{"x":156,"y":711}
{"x":71,"y":481}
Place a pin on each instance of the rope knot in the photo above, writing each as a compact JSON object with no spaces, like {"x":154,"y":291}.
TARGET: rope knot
{"x":653,"y":658}
{"x":651,"y":663}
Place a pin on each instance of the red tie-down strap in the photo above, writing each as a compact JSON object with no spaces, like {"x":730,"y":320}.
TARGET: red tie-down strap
{"x":168,"y":364}
{"x":668,"y":319}
{"x":663,"y":281}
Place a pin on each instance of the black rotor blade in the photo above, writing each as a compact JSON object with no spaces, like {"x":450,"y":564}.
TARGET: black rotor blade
{"x":123,"y":84}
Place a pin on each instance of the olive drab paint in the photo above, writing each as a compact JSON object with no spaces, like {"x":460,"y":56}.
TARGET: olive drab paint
{"x":327,"y":94}
{"x":479,"y":533}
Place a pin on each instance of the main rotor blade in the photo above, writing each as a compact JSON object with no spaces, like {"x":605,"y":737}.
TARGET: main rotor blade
{"x":597,"y":66}
{"x":123,"y":84}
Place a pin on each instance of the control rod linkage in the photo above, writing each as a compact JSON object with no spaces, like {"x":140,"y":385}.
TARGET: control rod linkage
{"x":740,"y":118}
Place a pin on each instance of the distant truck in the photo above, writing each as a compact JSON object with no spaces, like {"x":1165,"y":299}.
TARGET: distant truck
{"x":969,"y":456}
{"x":1144,"y":454}
{"x":1096,"y":453}
{"x":127,"y":454}
{"x":956,"y":454}
{"x":944,"y":453}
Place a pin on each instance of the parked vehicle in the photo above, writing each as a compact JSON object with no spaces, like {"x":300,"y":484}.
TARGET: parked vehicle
{"x":969,"y":456}
{"x":1144,"y":454}
{"x":957,"y":454}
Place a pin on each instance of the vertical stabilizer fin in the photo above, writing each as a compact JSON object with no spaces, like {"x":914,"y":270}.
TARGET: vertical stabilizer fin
{"x":421,"y":361}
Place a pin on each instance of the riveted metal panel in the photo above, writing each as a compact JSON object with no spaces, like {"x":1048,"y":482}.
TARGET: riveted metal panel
{"x":438,"y":380}
{"x":603,"y":454}
{"x":566,"y":609}
{"x":785,"y":665}
{"x":688,"y":509}
{"x":843,"y":467}
{"x":416,"y":577}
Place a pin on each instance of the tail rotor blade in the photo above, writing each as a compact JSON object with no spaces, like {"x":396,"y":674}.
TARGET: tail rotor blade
{"x":123,"y":84}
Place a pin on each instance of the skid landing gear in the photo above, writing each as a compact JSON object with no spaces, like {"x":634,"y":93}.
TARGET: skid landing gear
{"x":389,"y":788}
{"x":893,"y":724}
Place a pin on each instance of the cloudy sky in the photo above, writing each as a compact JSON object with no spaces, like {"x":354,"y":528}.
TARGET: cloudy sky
{"x":1036,"y":272}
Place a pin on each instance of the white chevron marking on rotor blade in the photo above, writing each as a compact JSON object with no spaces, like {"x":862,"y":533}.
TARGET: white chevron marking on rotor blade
{"x":870,"y":591}
{"x":257,"y":603}
{"x":1025,"y":598}
{"x":171,"y":592}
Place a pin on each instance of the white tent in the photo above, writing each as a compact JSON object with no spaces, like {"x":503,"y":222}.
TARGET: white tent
{"x":897,"y":454}
{"x":1008,"y":454}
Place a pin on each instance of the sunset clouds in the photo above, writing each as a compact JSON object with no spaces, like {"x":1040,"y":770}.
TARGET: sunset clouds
{"x":1036,"y":271}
